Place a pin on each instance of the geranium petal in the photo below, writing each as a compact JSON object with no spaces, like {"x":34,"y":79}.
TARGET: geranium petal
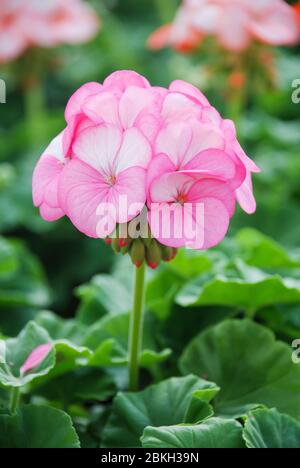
{"x":134,"y":151}
{"x":98,"y":146}
{"x":83,"y":192}
{"x":76,"y":101}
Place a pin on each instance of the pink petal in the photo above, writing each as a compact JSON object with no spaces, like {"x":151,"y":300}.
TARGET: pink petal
{"x":45,"y":181}
{"x":215,"y":161}
{"x":213,"y":188}
{"x":205,"y":136}
{"x":189,"y":90}
{"x":187,"y":228}
{"x":50,"y":214}
{"x":76,"y":102}
{"x":160,"y":38}
{"x":102,"y":108}
{"x":121,"y":80}
{"x":98,"y":147}
{"x":277,"y":26}
{"x":233,"y":29}
{"x":245,"y":196}
{"x":149,"y":125}
{"x":232,"y":142}
{"x":135,"y":101}
{"x":128,"y":195}
{"x":82,"y":190}
{"x":36,"y":358}
{"x":135,"y":151}
{"x":169,"y":186}
{"x":92,"y":205}
{"x":174,"y":141}
{"x":76,"y":124}
{"x":178,"y":107}
{"x":159,"y":165}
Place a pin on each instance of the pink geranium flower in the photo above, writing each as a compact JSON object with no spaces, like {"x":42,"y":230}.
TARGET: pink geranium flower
{"x":47,"y":23}
{"x":235,"y":24}
{"x":153,"y":147}
{"x":104,"y":153}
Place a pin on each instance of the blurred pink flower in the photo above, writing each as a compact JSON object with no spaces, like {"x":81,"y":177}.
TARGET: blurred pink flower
{"x":47,"y":23}
{"x":235,"y":24}
{"x":167,"y":147}
{"x":36,"y":358}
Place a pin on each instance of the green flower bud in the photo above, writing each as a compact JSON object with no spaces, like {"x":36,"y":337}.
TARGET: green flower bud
{"x":154,"y":254}
{"x":137,"y":252}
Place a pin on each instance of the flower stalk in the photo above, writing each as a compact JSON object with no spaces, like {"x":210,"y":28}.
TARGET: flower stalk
{"x":15,"y":397}
{"x":136,"y":327}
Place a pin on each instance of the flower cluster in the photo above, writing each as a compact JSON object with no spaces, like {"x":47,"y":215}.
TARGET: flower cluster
{"x":43,"y":23}
{"x":132,"y":150}
{"x":235,"y":24}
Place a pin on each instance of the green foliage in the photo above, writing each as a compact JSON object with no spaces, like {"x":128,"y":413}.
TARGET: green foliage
{"x":247,"y":363}
{"x":214,"y":433}
{"x":271,"y":429}
{"x":38,"y":427}
{"x":169,"y":401}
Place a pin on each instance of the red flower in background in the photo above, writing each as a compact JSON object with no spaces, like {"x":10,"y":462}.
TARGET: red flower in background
{"x":297,"y":10}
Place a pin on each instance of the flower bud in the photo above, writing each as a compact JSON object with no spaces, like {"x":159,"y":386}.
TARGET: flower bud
{"x":137,"y":252}
{"x":115,"y":245}
{"x":167,"y":253}
{"x":153,"y":255}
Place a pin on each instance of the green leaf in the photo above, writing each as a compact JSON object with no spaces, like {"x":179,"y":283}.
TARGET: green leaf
{"x":37,"y":427}
{"x":14,"y":352}
{"x":108,"y":338}
{"x":8,"y":259}
{"x":270,"y":429}
{"x":166,"y":403}
{"x":102,"y":295}
{"x":59,"y":328}
{"x":214,"y":433}
{"x":243,"y":286}
{"x":68,"y":358}
{"x":82,"y":385}
{"x":261,"y":251}
{"x":26,"y":284}
{"x":190,"y":263}
{"x":250,"y":367}
{"x":161,"y":291}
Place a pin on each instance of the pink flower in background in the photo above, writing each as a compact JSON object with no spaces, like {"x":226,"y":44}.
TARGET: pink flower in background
{"x":155,"y":147}
{"x":47,"y":23}
{"x":36,"y":358}
{"x":235,"y":24}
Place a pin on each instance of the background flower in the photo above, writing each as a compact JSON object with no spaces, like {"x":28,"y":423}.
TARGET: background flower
{"x":234,"y":23}
{"x":47,"y":23}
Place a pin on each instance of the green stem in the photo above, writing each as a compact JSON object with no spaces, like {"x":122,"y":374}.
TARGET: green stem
{"x":250,"y":313}
{"x":15,"y":397}
{"x":136,"y":327}
{"x":35,"y":110}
